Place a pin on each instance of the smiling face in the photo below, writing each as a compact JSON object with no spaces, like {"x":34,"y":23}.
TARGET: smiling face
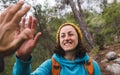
{"x":68,"y":38}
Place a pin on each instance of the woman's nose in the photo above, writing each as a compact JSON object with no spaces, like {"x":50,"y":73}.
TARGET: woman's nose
{"x":67,"y":37}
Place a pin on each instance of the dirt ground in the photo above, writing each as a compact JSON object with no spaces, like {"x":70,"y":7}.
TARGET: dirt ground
{"x":101,"y":55}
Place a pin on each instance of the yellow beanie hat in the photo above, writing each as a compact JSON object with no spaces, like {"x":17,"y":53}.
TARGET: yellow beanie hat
{"x":70,"y":24}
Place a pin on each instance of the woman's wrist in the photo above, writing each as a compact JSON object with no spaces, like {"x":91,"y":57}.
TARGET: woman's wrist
{"x":24,"y":58}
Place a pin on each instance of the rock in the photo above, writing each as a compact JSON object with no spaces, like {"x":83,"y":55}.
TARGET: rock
{"x":104,"y":61}
{"x":118,"y":55}
{"x":111,"y":55}
{"x":114,"y":68}
{"x":117,"y":60}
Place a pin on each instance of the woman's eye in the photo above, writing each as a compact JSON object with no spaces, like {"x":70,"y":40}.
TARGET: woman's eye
{"x":62,"y":36}
{"x":70,"y":34}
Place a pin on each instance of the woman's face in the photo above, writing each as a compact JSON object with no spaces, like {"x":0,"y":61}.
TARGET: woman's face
{"x":68,"y":38}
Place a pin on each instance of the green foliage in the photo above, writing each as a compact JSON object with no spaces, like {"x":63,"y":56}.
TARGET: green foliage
{"x":39,"y":56}
{"x":107,"y":23}
{"x":111,"y":16}
{"x":94,"y":22}
{"x":53,"y":25}
{"x":95,"y":50}
{"x":111,"y":13}
{"x":9,"y":62}
{"x":70,"y":18}
{"x":99,"y":41}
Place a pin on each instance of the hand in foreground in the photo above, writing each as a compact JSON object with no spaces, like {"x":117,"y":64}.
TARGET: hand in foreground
{"x":9,"y":22}
{"x":27,"y":47}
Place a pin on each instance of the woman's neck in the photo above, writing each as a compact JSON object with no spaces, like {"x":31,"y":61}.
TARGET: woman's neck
{"x":69,"y":55}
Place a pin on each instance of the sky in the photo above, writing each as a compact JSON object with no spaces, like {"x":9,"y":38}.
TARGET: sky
{"x":51,"y":2}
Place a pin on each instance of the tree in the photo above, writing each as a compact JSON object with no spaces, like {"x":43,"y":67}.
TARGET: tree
{"x":112,"y":22}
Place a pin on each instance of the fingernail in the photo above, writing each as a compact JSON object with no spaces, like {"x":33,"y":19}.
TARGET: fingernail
{"x":27,"y":6}
{"x":21,"y":2}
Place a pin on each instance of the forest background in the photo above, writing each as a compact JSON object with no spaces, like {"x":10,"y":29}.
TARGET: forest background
{"x":99,"y":21}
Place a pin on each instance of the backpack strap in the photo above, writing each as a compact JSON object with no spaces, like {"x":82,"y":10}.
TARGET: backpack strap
{"x":55,"y":67}
{"x":89,"y":67}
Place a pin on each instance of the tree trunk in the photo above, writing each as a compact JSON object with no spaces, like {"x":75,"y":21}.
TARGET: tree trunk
{"x":82,"y":24}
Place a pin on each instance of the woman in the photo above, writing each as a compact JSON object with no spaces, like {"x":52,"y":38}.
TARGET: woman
{"x":69,"y":53}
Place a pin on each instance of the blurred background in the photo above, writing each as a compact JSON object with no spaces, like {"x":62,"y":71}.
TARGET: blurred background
{"x":99,"y":19}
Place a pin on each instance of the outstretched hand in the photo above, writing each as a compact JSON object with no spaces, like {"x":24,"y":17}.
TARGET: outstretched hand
{"x":9,"y":22}
{"x":27,"y":47}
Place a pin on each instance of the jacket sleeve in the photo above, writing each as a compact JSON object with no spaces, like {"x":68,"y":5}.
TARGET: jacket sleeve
{"x":24,"y":68}
{"x":96,"y":68}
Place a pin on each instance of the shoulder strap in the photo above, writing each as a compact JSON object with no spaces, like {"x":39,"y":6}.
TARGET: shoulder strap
{"x":89,"y":67}
{"x":55,"y":67}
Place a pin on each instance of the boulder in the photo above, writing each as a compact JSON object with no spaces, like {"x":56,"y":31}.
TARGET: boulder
{"x":114,"y":68}
{"x":111,"y":55}
{"x":117,"y":60}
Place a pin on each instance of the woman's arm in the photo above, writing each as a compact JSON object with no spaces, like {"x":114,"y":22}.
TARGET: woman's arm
{"x":24,"y":68}
{"x":96,"y":68}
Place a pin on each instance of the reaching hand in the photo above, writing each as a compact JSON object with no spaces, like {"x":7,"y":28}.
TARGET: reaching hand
{"x":9,"y":22}
{"x":27,"y":47}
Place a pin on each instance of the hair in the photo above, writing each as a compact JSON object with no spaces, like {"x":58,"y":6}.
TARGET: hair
{"x":80,"y":49}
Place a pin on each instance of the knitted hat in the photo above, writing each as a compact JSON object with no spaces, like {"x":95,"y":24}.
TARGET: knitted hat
{"x":69,"y":24}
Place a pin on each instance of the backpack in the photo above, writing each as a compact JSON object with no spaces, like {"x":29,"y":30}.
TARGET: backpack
{"x":56,"y":67}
